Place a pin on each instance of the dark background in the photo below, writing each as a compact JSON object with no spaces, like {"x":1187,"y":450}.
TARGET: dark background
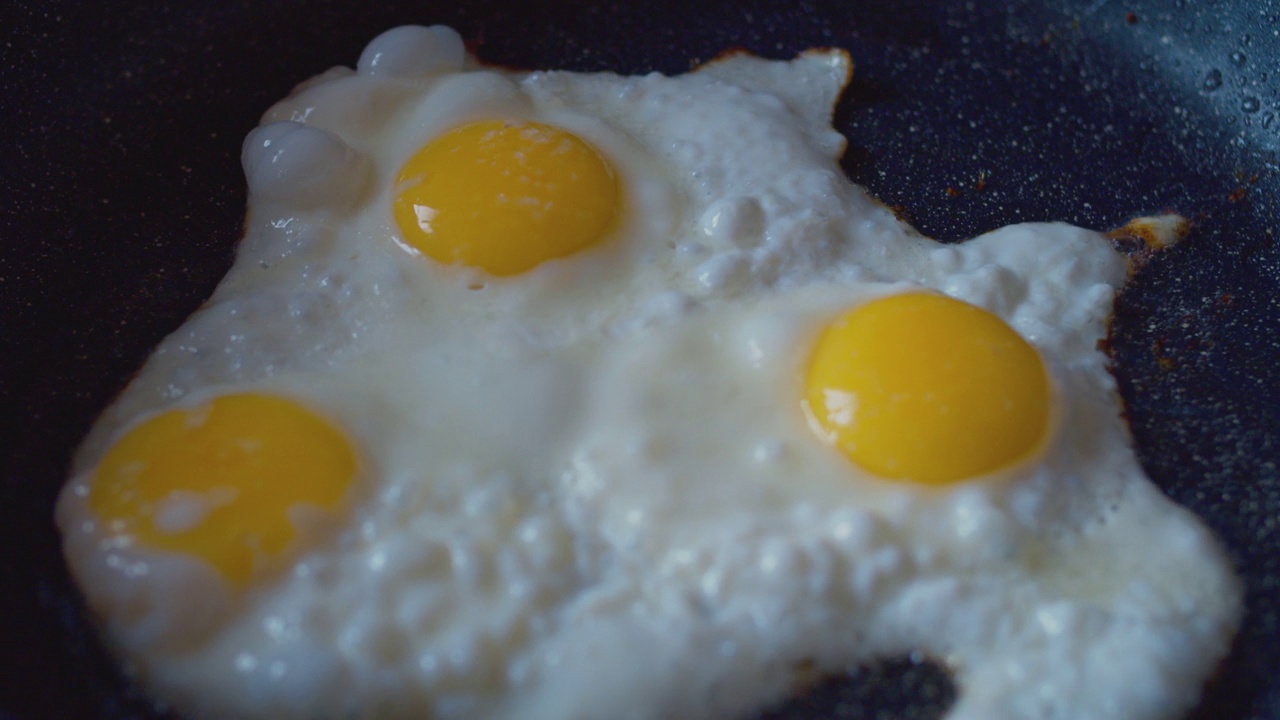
{"x":121,"y":197}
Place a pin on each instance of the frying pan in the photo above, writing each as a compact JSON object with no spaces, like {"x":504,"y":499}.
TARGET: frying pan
{"x":122,"y":198}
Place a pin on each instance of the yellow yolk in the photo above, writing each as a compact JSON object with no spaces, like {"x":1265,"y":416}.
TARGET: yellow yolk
{"x":220,"y":480}
{"x":505,"y":196}
{"x":926,"y":388}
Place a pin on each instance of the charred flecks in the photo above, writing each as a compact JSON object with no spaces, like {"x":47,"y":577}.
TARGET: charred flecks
{"x":900,"y":212}
{"x":725,"y":54}
{"x":1164,"y":360}
{"x":979,"y":185}
{"x":1104,"y":344}
{"x":1242,"y":189}
{"x":904,"y":689}
{"x":1141,"y":238}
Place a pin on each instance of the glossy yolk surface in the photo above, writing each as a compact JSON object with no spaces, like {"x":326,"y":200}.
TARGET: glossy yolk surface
{"x":926,"y":388}
{"x":221,"y":480}
{"x":505,"y":196}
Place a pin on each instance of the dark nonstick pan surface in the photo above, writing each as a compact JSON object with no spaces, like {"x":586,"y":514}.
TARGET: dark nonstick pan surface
{"x":122,"y":198}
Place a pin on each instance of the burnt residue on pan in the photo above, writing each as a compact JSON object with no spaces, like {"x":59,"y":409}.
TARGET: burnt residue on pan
{"x":123,"y":198}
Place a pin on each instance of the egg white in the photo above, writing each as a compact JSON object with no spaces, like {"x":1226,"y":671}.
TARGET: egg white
{"x":590,"y":490}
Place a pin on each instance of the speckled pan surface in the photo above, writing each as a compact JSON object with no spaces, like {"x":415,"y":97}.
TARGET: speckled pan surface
{"x":124,"y":196}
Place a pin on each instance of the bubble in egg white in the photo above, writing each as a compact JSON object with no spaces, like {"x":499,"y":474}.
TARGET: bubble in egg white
{"x":308,"y":167}
{"x":413,"y":50}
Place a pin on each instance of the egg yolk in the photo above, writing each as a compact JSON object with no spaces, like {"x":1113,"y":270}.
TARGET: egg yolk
{"x":221,"y":480}
{"x":926,"y":388}
{"x":505,"y":196}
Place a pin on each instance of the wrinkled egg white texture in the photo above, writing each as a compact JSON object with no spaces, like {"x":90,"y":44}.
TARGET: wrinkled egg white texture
{"x":589,"y":489}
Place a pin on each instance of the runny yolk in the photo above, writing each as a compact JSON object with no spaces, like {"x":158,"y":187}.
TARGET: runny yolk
{"x":505,"y":197}
{"x":223,"y":481}
{"x":925,"y":388}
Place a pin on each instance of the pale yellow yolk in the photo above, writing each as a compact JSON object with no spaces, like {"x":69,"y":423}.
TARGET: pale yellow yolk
{"x":505,"y":196}
{"x":926,"y":388}
{"x":221,"y":480}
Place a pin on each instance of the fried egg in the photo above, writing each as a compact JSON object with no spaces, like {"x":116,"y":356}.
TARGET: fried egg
{"x":563,"y":395}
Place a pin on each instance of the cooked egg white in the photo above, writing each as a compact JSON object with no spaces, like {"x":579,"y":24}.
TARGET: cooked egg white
{"x":562,"y":395}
